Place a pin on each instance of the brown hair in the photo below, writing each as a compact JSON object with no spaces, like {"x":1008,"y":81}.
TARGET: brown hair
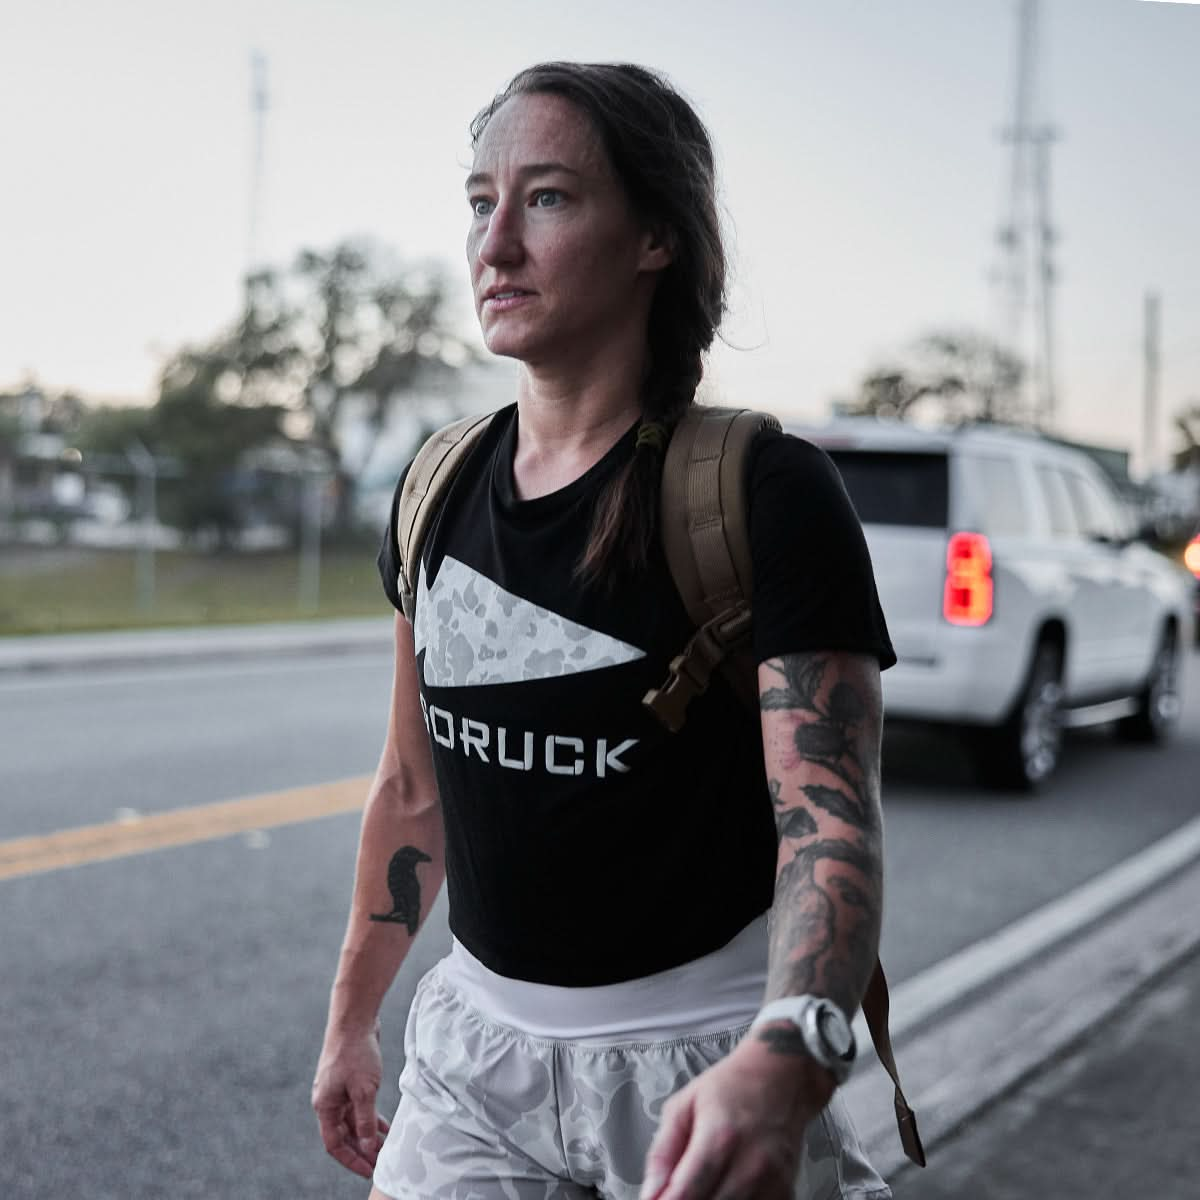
{"x":662,"y":154}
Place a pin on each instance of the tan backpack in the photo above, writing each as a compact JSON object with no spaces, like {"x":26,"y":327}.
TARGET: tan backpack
{"x":705,"y":531}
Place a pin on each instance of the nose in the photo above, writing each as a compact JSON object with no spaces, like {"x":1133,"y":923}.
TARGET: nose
{"x":500,"y":242}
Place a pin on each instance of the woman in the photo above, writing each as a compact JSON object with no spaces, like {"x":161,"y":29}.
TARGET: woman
{"x":610,"y":882}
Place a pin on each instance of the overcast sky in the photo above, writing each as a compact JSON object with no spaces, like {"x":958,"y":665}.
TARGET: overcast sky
{"x":861,"y":168}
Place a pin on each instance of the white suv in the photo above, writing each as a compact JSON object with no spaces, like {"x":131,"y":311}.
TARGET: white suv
{"x":1017,"y":597}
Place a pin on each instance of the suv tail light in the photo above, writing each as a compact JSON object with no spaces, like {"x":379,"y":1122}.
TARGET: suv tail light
{"x":1191,"y":556}
{"x":968,"y":595}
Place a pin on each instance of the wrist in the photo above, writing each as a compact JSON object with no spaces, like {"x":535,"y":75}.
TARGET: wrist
{"x":796,"y":1083}
{"x":351,"y":1013}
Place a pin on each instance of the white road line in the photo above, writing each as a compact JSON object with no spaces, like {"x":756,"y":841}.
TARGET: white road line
{"x":948,"y":983}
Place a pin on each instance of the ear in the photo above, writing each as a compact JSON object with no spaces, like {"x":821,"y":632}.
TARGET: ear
{"x":658,"y":248}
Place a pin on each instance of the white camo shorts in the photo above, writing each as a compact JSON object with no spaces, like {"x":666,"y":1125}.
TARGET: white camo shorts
{"x":489,"y":1113}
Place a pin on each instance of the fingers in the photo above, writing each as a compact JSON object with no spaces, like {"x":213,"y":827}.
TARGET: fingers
{"x":342,"y":1143}
{"x":340,"y":1134}
{"x":668,"y":1146}
{"x":366,"y":1123}
{"x":703,"y":1164}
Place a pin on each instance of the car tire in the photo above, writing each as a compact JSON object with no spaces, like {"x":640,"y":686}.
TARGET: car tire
{"x":1021,"y":754}
{"x":1158,"y":701}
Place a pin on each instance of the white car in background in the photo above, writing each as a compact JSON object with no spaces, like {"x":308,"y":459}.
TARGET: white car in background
{"x":1018,"y":598}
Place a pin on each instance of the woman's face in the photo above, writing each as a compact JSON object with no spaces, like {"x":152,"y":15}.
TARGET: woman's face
{"x":560,"y":266}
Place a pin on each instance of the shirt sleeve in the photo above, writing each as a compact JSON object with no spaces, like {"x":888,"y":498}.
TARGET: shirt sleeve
{"x":388,"y":559}
{"x":814,"y":586}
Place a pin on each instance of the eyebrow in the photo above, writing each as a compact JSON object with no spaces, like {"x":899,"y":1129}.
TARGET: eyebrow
{"x":542,"y":168}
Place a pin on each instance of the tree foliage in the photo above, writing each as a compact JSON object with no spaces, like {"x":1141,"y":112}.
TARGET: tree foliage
{"x":952,"y":376}
{"x":1187,"y":425}
{"x":344,"y":325}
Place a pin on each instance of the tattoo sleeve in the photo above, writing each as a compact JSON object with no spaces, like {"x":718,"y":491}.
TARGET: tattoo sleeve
{"x":821,"y":718}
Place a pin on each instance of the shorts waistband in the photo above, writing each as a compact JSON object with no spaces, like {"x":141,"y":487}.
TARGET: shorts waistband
{"x":719,"y":991}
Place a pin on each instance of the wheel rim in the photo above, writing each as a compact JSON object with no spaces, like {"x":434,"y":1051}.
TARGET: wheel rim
{"x":1163,"y":700}
{"x":1041,"y":727}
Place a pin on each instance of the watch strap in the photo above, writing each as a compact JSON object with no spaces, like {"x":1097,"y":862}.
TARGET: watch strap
{"x":787,"y":1008}
{"x":802,"y":1011}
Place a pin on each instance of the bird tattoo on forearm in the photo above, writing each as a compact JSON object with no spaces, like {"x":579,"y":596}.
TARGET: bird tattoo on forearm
{"x":405,"y":888}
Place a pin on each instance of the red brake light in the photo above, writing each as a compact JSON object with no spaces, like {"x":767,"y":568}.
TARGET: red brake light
{"x":1191,"y":556}
{"x":968,"y":596}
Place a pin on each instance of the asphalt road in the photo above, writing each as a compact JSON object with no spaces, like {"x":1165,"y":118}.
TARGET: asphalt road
{"x":162,"y":1012}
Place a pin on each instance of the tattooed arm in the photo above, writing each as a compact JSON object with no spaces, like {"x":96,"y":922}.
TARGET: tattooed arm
{"x":734,"y":1131}
{"x":821,"y":718}
{"x":399,"y":872}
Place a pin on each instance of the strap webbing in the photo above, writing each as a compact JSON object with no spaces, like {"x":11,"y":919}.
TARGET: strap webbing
{"x":428,"y":478}
{"x":875,"y":1007}
{"x":705,"y":516}
{"x":705,"y":531}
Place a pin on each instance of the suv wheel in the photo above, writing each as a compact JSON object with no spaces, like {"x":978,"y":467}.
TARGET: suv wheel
{"x":1158,"y":701}
{"x":1023,"y":752}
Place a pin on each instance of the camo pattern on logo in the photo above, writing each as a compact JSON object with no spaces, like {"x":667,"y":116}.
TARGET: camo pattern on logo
{"x":474,"y":633}
{"x":488,"y":1113}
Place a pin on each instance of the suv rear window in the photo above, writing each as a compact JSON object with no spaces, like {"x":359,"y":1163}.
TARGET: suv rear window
{"x":895,"y":488}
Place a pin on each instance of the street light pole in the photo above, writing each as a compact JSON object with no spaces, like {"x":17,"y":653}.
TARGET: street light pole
{"x":1150,"y":321}
{"x":147,"y":477}
{"x":309,"y":590}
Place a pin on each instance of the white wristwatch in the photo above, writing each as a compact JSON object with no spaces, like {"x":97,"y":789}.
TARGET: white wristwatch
{"x":826,"y":1033}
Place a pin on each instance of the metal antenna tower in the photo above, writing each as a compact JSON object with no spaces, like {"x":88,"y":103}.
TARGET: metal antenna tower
{"x":259,"y":103}
{"x":1026,"y":239}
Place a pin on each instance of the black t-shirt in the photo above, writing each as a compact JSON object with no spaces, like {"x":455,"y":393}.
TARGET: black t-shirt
{"x":585,"y":844}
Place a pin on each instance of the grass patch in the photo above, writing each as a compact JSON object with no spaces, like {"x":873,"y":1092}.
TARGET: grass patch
{"x":72,"y":589}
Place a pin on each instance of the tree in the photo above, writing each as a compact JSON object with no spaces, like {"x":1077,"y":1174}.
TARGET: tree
{"x":199,"y":440}
{"x":953,"y":376}
{"x":208,"y":437}
{"x":347,"y":324}
{"x":108,"y":430}
{"x":1187,"y":423}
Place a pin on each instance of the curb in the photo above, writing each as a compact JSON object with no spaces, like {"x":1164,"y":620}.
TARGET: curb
{"x":65,"y":652}
{"x":972,"y":1028}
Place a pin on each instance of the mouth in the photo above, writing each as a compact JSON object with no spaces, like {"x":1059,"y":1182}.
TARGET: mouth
{"x":505,"y":295}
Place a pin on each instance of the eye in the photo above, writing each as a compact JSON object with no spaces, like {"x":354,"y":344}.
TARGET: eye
{"x":480,"y":205}
{"x":547,"y":198}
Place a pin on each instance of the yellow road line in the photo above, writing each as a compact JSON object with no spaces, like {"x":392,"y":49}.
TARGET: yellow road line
{"x":201,"y":823}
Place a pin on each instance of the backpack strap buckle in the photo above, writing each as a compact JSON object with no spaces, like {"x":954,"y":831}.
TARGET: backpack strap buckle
{"x":691,"y":670}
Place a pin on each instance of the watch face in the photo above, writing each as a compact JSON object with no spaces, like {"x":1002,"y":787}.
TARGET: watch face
{"x":835,"y":1032}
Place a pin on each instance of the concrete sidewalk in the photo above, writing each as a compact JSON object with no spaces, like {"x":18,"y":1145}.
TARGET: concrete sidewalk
{"x":162,"y":646}
{"x":1116,"y":1116}
{"x":1070,"y":1072}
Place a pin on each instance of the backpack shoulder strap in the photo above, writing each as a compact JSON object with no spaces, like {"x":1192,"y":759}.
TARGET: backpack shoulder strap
{"x":430,"y":475}
{"x":706,"y":537}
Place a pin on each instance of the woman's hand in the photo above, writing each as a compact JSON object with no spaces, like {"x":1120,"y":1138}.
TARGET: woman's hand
{"x":736,"y":1132}
{"x":349,"y":1072}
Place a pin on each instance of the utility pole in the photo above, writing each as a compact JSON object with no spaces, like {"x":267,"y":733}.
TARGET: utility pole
{"x":1150,"y":348}
{"x":146,"y":468}
{"x":1027,"y":236}
{"x":259,"y":103}
{"x":308,"y":592}
{"x":1011,"y":234}
{"x":1047,"y":399}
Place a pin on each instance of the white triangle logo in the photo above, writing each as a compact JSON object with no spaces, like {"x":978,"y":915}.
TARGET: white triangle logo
{"x":474,"y":632}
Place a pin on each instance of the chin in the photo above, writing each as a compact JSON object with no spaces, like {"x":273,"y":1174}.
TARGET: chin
{"x":507,"y":344}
